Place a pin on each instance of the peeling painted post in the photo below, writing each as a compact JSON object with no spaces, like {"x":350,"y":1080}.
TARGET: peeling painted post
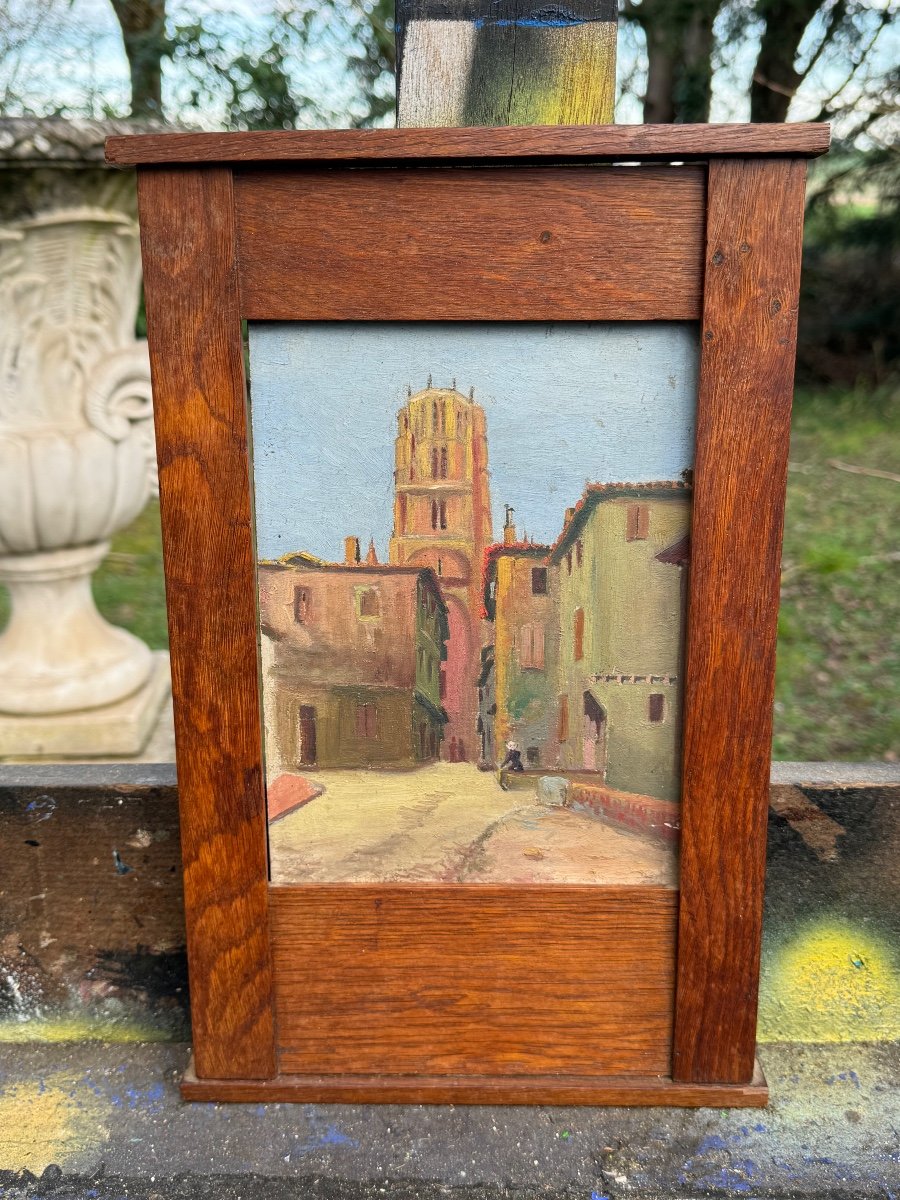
{"x":505,"y":62}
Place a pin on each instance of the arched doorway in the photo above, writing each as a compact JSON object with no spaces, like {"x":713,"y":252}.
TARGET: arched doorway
{"x":593,"y":752}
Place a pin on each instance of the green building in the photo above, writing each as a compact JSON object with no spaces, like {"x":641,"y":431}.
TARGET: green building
{"x":621,"y":562}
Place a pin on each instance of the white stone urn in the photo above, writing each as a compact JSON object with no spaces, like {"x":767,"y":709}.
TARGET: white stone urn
{"x":76,"y":436}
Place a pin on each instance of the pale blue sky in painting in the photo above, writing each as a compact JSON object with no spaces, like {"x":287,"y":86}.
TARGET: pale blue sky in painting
{"x":566,"y":404}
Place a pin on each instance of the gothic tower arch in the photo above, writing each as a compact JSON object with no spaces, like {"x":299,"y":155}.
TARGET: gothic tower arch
{"x":442,"y":519}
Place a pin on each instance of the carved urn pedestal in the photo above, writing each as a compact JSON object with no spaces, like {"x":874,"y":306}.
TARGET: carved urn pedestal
{"x":76,"y":444}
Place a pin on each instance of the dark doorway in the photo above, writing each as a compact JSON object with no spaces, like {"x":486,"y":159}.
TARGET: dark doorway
{"x":594,"y":737}
{"x":306,"y":749}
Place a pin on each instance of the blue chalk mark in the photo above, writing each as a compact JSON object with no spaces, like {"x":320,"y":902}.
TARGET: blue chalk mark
{"x":597,"y":1196}
{"x":149,"y":1098}
{"x":557,"y":22}
{"x":329,"y":1136}
{"x":713,"y":1142}
{"x":42,"y":809}
{"x":121,"y":868}
{"x":725,"y":1178}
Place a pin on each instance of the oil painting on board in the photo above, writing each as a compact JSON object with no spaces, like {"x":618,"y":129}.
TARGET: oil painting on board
{"x":473,"y":547}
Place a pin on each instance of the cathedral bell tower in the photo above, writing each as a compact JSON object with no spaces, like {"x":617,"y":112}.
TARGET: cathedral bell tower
{"x":442,"y":520}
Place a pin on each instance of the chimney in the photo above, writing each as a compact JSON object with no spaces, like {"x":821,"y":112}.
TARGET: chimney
{"x":351,"y":551}
{"x":509,"y":530}
{"x":371,"y":556}
{"x":570,"y":513}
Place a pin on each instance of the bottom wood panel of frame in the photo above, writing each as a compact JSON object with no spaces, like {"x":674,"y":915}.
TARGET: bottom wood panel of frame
{"x":475,"y":980}
{"x":631,"y":1092}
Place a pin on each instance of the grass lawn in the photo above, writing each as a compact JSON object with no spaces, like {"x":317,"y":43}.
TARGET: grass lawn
{"x":838,"y":682}
{"x":838,"y":685}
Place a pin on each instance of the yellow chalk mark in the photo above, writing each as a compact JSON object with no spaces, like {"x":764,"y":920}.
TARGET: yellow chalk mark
{"x":78,"y":1030}
{"x":42,"y":1122}
{"x":832,"y":982}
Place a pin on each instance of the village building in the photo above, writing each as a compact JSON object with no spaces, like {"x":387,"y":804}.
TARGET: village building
{"x":351,"y":660}
{"x":442,"y":520}
{"x":520,"y":601}
{"x":621,"y":561}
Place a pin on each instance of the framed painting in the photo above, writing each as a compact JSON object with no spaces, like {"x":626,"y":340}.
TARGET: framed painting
{"x":472,"y":453}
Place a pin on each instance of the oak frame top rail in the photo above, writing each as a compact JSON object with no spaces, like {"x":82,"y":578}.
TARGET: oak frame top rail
{"x":573,"y":143}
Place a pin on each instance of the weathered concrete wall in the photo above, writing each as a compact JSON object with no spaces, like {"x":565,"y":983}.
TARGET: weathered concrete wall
{"x":91,"y":921}
{"x":91,"y":908}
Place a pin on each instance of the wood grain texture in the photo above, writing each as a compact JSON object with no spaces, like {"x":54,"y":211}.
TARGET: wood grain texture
{"x":628,"y":1092}
{"x":749,"y":325}
{"x":193,"y":324}
{"x":396,"y":146}
{"x":505,"y":62}
{"x":526,"y":244}
{"x":444,"y":980}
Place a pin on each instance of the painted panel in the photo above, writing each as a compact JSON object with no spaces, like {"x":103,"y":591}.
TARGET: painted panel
{"x":473,"y":547}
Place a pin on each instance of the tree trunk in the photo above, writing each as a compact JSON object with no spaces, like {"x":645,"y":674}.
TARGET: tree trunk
{"x":679,"y":54}
{"x":143,"y":25}
{"x":775,"y":78}
{"x":659,"y":99}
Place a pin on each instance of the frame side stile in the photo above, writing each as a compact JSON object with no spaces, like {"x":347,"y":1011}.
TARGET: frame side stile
{"x":193,"y":317}
{"x":753,"y":248}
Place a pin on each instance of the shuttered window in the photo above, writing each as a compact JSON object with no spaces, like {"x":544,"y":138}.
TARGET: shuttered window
{"x":562,"y":724}
{"x":531,"y":646}
{"x":578,"y":635}
{"x":637,"y":523}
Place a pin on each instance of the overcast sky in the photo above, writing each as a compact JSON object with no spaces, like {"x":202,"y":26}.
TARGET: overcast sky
{"x":566,"y":404}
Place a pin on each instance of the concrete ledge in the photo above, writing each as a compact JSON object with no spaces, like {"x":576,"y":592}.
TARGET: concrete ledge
{"x":105,"y":1122}
{"x":836,"y":774}
{"x":98,"y":775}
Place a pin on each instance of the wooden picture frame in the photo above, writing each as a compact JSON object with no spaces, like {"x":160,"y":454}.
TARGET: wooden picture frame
{"x":433,"y":993}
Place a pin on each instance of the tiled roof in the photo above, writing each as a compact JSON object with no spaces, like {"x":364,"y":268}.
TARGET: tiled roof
{"x":597,"y":493}
{"x":300,"y":558}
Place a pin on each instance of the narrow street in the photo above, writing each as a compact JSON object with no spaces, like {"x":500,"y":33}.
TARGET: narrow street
{"x":452,"y":823}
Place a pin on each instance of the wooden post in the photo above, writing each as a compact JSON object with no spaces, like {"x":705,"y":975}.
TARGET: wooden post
{"x":505,"y":62}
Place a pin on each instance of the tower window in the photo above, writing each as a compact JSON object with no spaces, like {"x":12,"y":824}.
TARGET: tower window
{"x":657,"y":707}
{"x":434,"y":463}
{"x":443,"y":462}
{"x":579,"y":552}
{"x":440,"y":566}
{"x":569,"y":563}
{"x":434,"y":514}
{"x":434,"y":416}
{"x":539,"y":581}
{"x":442,"y":508}
{"x":637,"y":523}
